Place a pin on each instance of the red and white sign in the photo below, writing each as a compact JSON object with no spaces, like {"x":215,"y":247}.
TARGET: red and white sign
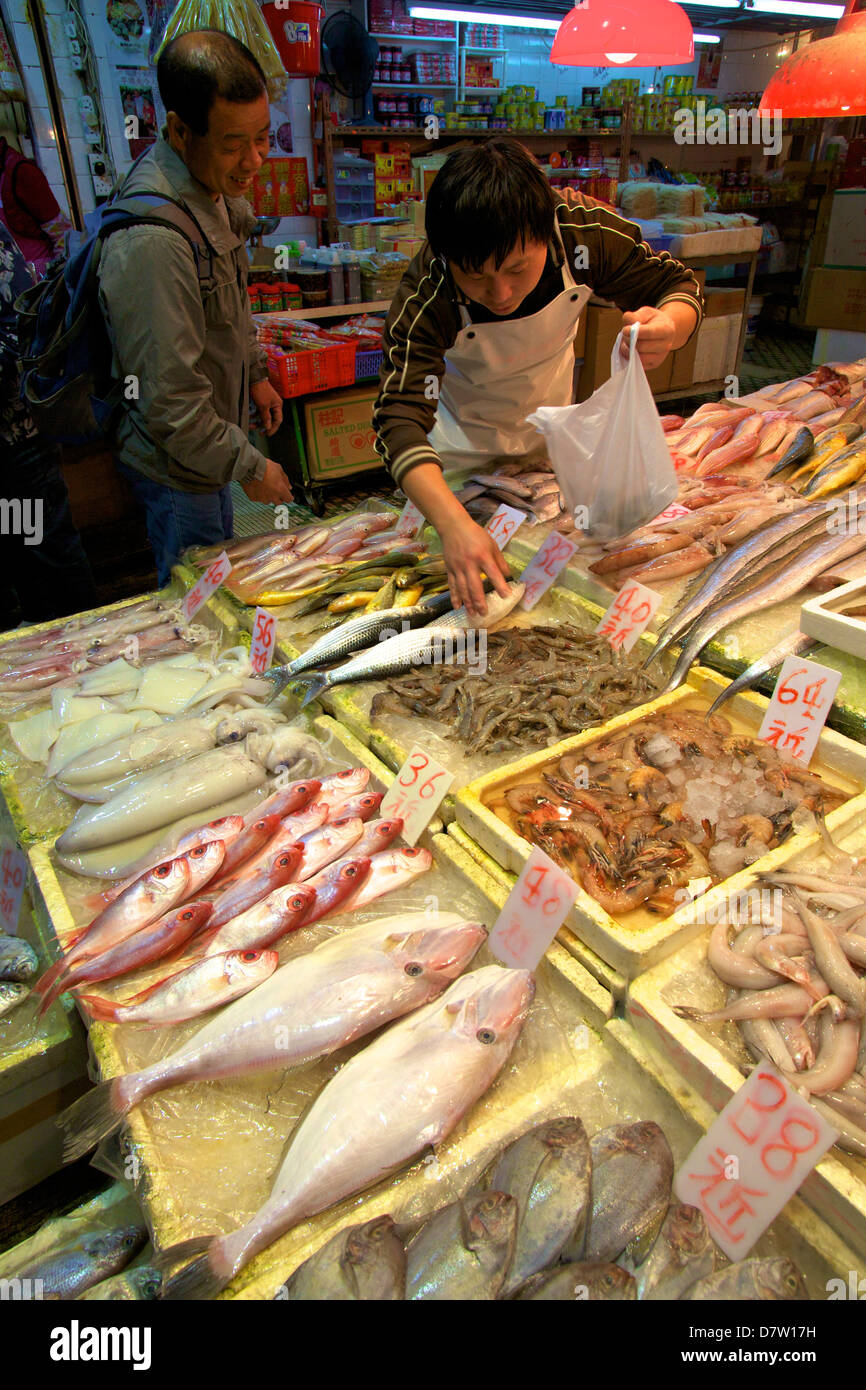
{"x":411,"y":520}
{"x":752,"y":1160}
{"x":670,"y":513}
{"x":214,"y":575}
{"x":798,"y":710}
{"x":416,"y":792}
{"x":537,"y":906}
{"x":544,"y":567}
{"x":504,"y":523}
{"x":13,"y":876}
{"x":629,"y":614}
{"x":264,"y":640}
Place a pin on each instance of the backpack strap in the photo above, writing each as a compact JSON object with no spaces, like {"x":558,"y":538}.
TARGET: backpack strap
{"x":148,"y":208}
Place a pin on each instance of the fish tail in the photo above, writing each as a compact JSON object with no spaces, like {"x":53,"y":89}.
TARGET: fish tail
{"x":49,"y":977}
{"x":315,"y":683}
{"x":92,"y":1118}
{"x":693,"y":1015}
{"x":202,"y":1277}
{"x":103,"y":1010}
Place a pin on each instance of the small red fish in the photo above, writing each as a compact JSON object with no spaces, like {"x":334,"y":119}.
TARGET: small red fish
{"x":254,"y":836}
{"x":241,"y":893}
{"x":377,"y":837}
{"x":364,"y":806}
{"x":737,"y":451}
{"x":282,"y":911}
{"x":286,"y":801}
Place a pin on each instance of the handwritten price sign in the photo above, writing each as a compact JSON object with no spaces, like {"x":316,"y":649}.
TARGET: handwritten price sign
{"x":13,"y":876}
{"x":537,"y":906}
{"x":752,"y":1160}
{"x":544,"y":566}
{"x":504,"y":523}
{"x":264,"y":637}
{"x":416,"y":793}
{"x":798,"y":710}
{"x":628,"y":615}
{"x":670,"y":513}
{"x":214,"y":575}
{"x":411,"y":520}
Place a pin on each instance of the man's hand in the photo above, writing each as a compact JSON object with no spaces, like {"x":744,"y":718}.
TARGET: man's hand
{"x":467,"y":549}
{"x":655,"y":339}
{"x":273,"y":487}
{"x":270,"y":405}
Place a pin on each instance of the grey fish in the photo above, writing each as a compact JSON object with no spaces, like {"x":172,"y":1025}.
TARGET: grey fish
{"x":135,"y":1286}
{"x":751,"y":1281}
{"x":69,"y":1271}
{"x":683,"y":1253}
{"x":792,"y":644}
{"x":360,"y":632}
{"x":464,"y":1250}
{"x":17,"y":959}
{"x":548,"y":1171}
{"x":360,"y":1263}
{"x":632,"y":1172}
{"x":11,"y":995}
{"x":592,"y":1281}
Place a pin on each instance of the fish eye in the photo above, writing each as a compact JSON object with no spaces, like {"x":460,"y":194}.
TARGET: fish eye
{"x":413,"y":968}
{"x":187,"y":916}
{"x":486,"y":1035}
{"x":161,"y":870}
{"x":411,"y":853}
{"x":350,"y":870}
{"x":297,"y":901}
{"x":283,"y":860}
{"x":198,"y":851}
{"x":250,"y":955}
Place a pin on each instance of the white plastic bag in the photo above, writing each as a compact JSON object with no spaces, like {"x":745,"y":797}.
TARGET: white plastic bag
{"x":609,"y":453}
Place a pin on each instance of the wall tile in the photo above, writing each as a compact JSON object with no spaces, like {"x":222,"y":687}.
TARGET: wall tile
{"x":25,"y":44}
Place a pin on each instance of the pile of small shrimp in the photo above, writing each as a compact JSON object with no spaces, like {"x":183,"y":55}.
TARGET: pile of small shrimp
{"x":642,"y":814}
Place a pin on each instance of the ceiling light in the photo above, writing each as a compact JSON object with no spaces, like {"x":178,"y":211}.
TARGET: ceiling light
{"x":824,"y":78}
{"x":707,"y":38}
{"x":514,"y":21}
{"x":624,"y":33}
{"x":799,"y":10}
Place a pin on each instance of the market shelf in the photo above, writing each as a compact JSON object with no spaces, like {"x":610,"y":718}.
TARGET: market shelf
{"x":332,"y":311}
{"x":413,"y":38}
{"x":412,"y":86}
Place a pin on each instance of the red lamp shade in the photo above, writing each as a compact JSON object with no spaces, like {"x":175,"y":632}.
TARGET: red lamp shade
{"x":826,"y":78}
{"x":624,"y":33}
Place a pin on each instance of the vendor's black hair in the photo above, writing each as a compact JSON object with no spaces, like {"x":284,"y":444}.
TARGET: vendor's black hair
{"x":201,"y":65}
{"x":485,"y":200}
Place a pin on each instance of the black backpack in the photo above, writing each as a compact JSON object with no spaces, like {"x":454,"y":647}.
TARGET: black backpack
{"x":63,"y":343}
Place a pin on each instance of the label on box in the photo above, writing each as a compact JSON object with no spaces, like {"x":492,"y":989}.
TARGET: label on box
{"x":504,"y":523}
{"x":536,"y":908}
{"x":214,"y":575}
{"x":264,"y":638}
{"x":753,"y":1158}
{"x":676,"y":509}
{"x":416,"y":792}
{"x":544,"y":566}
{"x":411,"y":520}
{"x":13,"y":876}
{"x":629,"y":614}
{"x":799,"y":706}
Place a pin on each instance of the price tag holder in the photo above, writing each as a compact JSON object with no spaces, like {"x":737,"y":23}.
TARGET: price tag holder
{"x":630,"y":613}
{"x":670,"y":513}
{"x":215,"y":575}
{"x":503,"y":524}
{"x":13,"y":876}
{"x":416,"y":792}
{"x":544,"y":567}
{"x":537,"y":906}
{"x":752,"y":1160}
{"x":264,"y":640}
{"x":799,"y":706}
{"x":411,"y":520}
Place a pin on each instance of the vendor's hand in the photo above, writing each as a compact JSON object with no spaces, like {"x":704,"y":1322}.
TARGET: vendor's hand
{"x":270,"y":405}
{"x":467,"y":549}
{"x":273,"y":487}
{"x":655,"y":339}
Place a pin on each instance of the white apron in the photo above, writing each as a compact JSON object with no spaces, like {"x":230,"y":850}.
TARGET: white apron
{"x":498,"y":373}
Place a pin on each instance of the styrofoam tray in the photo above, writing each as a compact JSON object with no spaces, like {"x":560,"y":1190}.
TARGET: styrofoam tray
{"x":821,"y":618}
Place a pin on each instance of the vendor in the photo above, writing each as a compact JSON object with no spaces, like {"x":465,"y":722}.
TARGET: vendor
{"x":481,"y":332}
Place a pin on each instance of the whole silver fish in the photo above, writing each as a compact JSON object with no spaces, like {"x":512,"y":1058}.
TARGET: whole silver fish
{"x":402,"y":1093}
{"x":632,"y":1173}
{"x":360,"y":1264}
{"x":361,"y":631}
{"x":592,"y":1281}
{"x":135,"y":1286}
{"x":682,"y":1254}
{"x":750,"y":1281}
{"x":548,"y":1172}
{"x":17,"y":959}
{"x":68,"y":1272}
{"x":11,"y":995}
{"x":464,"y":1251}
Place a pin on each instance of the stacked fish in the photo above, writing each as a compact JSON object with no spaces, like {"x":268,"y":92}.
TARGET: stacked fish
{"x":18,"y":964}
{"x":798,"y":994}
{"x":554,"y":1218}
{"x":86,"y":1265}
{"x":534,"y":491}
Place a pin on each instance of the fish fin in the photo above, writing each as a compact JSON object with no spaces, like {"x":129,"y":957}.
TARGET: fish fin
{"x":197,"y":1280}
{"x":92,"y":1118}
{"x":48,"y":978}
{"x":684,"y":1011}
{"x":103,"y":1010}
{"x":316,"y":683}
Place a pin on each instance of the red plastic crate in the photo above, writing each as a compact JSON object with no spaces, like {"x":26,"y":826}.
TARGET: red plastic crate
{"x":314,"y":369}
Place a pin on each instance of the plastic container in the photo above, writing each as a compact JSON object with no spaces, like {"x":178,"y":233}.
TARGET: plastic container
{"x":295,"y":28}
{"x":753,"y":315}
{"x":331,"y":261}
{"x":351,"y":277}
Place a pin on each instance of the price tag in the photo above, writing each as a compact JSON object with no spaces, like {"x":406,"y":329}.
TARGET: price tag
{"x":676,"y":509}
{"x":752,"y":1160}
{"x":411,"y":520}
{"x":798,"y":710}
{"x":264,"y":637}
{"x":628,"y":615}
{"x":416,"y":792}
{"x":544,"y":566}
{"x":537,"y":906}
{"x":214,"y":575}
{"x":504,"y":523}
{"x":13,"y":876}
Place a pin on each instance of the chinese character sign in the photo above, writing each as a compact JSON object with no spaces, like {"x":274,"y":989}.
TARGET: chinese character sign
{"x":264,"y":638}
{"x":416,"y":792}
{"x":670,"y":513}
{"x":504,"y":523}
{"x":798,"y":710}
{"x":752,"y":1160}
{"x":13,"y":876}
{"x":214,"y":575}
{"x":628,"y":615}
{"x":543,"y":568}
{"x":411,"y":520}
{"x":537,"y":906}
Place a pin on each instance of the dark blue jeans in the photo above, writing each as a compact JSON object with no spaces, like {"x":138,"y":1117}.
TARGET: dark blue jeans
{"x":176,"y":520}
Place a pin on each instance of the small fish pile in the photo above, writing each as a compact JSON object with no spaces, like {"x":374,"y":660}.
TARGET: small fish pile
{"x":554,"y":1218}
{"x":84,"y":1265}
{"x":534,"y":491}
{"x":540,"y":684}
{"x":639,"y":815}
{"x":797,"y":983}
{"x":18,"y":964}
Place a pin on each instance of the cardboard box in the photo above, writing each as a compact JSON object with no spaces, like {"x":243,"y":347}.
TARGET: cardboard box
{"x":660,"y":377}
{"x":601,"y":327}
{"x":720,"y":303}
{"x":683,"y":364}
{"x":712,"y":349}
{"x":836,"y":299}
{"x":580,"y":336}
{"x":846,"y":233}
{"x":384,"y":165}
{"x":340,"y":434}
{"x":832,"y":346}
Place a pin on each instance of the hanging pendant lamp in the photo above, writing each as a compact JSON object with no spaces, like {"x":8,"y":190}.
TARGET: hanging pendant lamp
{"x":827,"y":77}
{"x":624,"y":33}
